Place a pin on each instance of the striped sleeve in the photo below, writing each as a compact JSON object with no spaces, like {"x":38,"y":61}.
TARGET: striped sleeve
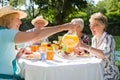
{"x":109,"y":45}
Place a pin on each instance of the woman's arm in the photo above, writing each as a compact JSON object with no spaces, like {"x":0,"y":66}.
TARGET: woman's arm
{"x":42,"y":33}
{"x":97,"y":52}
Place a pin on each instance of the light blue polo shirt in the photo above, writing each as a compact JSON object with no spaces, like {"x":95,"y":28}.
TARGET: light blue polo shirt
{"x":7,"y":50}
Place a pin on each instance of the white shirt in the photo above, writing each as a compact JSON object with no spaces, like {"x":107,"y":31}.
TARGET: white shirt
{"x":106,"y":43}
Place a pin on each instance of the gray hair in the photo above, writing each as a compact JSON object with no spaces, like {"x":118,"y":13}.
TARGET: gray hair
{"x":79,"y":21}
{"x":99,"y":17}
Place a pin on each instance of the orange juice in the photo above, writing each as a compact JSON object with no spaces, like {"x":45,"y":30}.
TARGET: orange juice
{"x":50,"y":55}
{"x":44,"y":44}
{"x":70,"y":49}
{"x":70,"y":40}
{"x":34,"y":48}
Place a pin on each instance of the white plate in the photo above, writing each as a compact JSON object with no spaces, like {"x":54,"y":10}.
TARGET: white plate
{"x":31,"y":56}
{"x":64,"y":56}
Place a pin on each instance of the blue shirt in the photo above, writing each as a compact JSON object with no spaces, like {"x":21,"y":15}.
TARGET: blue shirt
{"x":7,"y":50}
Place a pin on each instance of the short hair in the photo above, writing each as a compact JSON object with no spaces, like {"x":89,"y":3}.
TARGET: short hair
{"x":99,"y":17}
{"x":79,"y":21}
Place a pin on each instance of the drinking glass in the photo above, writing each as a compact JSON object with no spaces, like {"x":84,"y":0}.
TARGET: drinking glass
{"x":50,"y":55}
{"x":43,"y":52}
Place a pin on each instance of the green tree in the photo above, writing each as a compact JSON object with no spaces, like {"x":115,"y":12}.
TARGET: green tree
{"x":59,"y":8}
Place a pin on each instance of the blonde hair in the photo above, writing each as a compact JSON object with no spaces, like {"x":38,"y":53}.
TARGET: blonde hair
{"x":79,"y":21}
{"x":99,"y":17}
{"x":5,"y":20}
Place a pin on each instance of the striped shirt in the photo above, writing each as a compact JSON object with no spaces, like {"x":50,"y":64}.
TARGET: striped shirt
{"x":106,"y":43}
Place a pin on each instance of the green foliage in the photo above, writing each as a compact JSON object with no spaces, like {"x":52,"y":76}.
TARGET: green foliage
{"x":100,"y":7}
{"x":49,"y":15}
{"x":16,"y":2}
{"x":117,"y":40}
{"x":118,"y":64}
{"x":77,"y":14}
{"x":26,"y":25}
{"x":114,"y":22}
{"x":113,"y":14}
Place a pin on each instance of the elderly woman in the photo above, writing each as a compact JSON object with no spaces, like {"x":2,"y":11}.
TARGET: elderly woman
{"x":103,"y":45}
{"x":82,"y":36}
{"x":10,"y":21}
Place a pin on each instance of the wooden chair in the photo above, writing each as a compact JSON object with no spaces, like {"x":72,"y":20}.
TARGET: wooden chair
{"x":117,"y":55}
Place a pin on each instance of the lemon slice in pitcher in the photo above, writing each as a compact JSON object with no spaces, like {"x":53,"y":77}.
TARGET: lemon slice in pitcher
{"x":70,"y":40}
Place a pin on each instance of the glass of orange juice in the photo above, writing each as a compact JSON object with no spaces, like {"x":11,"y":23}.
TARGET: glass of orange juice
{"x":34,"y":48}
{"x":70,"y":39}
{"x":50,"y":55}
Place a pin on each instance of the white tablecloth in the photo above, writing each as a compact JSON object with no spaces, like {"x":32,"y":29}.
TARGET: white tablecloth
{"x":82,"y":68}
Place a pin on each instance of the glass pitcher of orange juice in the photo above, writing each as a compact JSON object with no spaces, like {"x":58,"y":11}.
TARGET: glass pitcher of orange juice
{"x":70,"y":39}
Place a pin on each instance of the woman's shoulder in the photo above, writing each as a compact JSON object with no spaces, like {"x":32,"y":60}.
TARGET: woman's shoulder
{"x":110,"y":36}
